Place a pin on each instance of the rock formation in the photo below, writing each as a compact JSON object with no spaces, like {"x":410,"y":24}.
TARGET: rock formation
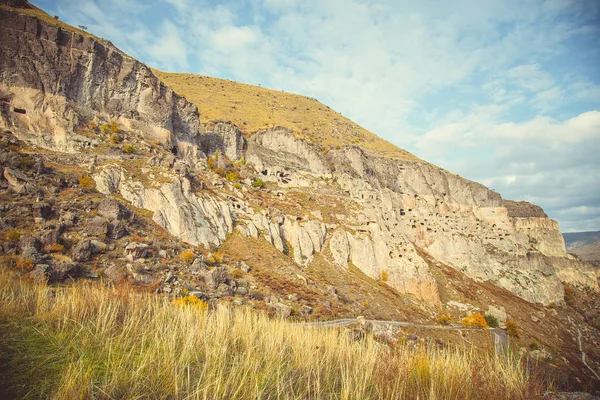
{"x":387,"y":216}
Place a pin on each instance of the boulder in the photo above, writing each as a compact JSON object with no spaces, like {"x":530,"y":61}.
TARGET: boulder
{"x":113,"y":210}
{"x":114,"y":273}
{"x":62,"y":270}
{"x":50,"y":235}
{"x":136,"y":250}
{"x":117,"y":229}
{"x":499,"y":313}
{"x":83,"y":251}
{"x":216,"y":277}
{"x":42,"y":210}
{"x":97,"y":226}
{"x":281,"y":310}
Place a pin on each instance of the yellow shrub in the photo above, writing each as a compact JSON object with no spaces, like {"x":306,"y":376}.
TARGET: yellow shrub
{"x":114,"y":127}
{"x":114,"y":139}
{"x":191,"y":301}
{"x":12,"y":235}
{"x":475,"y":320}
{"x":54,"y":248}
{"x":87,"y":182}
{"x":105,"y":129}
{"x":128,"y":149}
{"x":445,"y":319}
{"x":92,"y":125}
{"x":25,"y":264}
{"x":232,"y":176}
{"x":512,"y":329}
{"x":384,"y":275}
{"x":187,"y":256}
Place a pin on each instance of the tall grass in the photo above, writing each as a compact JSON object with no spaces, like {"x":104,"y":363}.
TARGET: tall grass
{"x":90,"y":341}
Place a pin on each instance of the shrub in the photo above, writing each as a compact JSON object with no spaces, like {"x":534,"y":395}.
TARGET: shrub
{"x":54,"y":248}
{"x":137,"y":238}
{"x":187,"y":256}
{"x":237,"y":185}
{"x":237,"y":273}
{"x":192,"y":302}
{"x":128,"y":149}
{"x":216,"y":257}
{"x":12,"y":235}
{"x":220,"y":171}
{"x":87,"y":182}
{"x":92,"y":125}
{"x":115,"y":139}
{"x":444,"y":319}
{"x":232,"y":176}
{"x":475,"y":320}
{"x":210,"y":162}
{"x":512,"y":329}
{"x":491,"y":321}
{"x":105,"y":129}
{"x":384,"y":275}
{"x":25,"y":264}
{"x":26,"y":162}
{"x":534,"y":346}
{"x":569,"y":295}
{"x":114,"y":127}
{"x":258,"y":183}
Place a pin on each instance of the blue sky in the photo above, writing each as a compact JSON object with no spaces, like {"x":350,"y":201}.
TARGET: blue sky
{"x":503,"y":92}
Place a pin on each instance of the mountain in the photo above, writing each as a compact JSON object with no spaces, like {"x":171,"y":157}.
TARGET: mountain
{"x":189,"y":185}
{"x":586,"y":245}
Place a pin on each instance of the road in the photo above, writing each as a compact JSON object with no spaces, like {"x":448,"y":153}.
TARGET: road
{"x":500,"y":336}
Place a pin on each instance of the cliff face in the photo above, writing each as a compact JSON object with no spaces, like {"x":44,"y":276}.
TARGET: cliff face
{"x":363,"y":209}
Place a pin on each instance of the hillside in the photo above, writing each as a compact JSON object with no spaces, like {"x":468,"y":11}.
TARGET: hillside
{"x":125,"y":180}
{"x":254,"y":108}
{"x":586,"y":245}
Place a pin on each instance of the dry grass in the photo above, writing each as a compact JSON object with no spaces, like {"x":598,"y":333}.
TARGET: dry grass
{"x":253,"y":108}
{"x":90,"y":341}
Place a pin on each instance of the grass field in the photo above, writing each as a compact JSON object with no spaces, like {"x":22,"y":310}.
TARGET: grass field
{"x":92,"y":341}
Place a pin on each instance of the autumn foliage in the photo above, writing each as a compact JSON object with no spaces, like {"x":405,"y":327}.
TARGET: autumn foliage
{"x":475,"y":320}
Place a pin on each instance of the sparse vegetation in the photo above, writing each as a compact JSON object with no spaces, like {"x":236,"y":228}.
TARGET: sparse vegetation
{"x":114,"y":127}
{"x":129,"y":149}
{"x":114,"y":139}
{"x":89,"y":341}
{"x":258,"y":183}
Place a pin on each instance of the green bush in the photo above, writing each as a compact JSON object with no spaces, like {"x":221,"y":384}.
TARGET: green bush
{"x":491,"y":321}
{"x":258,"y":183}
{"x":128,"y":149}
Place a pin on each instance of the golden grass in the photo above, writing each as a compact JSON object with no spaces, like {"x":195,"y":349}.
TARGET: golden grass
{"x":89,"y":341}
{"x":253,"y":108}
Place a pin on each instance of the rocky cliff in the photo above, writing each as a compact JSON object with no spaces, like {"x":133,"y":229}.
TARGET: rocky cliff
{"x":202,"y":181}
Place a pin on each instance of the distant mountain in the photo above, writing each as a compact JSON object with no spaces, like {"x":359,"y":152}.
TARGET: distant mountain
{"x":586,"y":245}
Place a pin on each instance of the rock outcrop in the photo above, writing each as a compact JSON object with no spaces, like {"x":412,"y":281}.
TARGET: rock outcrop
{"x":391,"y":216}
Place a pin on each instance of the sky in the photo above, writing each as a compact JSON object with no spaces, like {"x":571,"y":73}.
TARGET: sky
{"x":503,"y":92}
